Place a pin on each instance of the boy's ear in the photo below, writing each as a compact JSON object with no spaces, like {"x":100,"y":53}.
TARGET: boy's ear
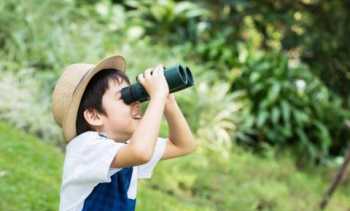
{"x":93,"y":117}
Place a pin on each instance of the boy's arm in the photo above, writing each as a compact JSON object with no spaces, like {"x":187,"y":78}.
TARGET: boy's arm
{"x":181,"y":141}
{"x":141,"y":145}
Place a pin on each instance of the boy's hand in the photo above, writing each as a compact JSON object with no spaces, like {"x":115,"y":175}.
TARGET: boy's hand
{"x":143,"y":140}
{"x":153,"y":80}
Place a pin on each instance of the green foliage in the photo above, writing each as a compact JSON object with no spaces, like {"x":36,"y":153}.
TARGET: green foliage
{"x":178,"y":20}
{"x":30,"y":172}
{"x":312,"y":120}
{"x":41,"y":43}
{"x":291,"y":107}
{"x":314,"y":31}
{"x":32,"y":74}
{"x":30,"y":177}
{"x":24,"y":105}
{"x":241,"y":181}
{"x":213,"y":112}
{"x":251,"y":86}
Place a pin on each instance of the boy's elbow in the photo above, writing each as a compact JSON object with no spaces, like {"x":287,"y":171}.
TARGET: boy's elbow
{"x":130,"y":156}
{"x":143,"y":159}
{"x":142,"y":156}
{"x":192,"y":147}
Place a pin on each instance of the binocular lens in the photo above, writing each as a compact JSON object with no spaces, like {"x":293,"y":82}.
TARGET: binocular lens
{"x":189,"y":77}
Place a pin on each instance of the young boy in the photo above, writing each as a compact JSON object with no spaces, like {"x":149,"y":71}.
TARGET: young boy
{"x":110,"y":145}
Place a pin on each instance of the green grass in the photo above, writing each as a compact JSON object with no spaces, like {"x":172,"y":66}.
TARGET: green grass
{"x":30,"y":172}
{"x":243,"y":181}
{"x":30,"y":176}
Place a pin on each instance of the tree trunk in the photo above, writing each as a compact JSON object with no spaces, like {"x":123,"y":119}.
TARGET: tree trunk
{"x":338,"y":178}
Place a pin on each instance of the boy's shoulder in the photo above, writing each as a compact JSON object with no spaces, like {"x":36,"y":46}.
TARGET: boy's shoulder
{"x":88,"y":135}
{"x":85,"y":138}
{"x":89,"y":140}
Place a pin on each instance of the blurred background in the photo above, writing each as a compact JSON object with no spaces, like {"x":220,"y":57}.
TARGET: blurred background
{"x":269,"y":107}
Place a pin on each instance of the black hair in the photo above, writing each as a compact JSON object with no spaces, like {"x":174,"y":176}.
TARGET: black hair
{"x":92,"y":97}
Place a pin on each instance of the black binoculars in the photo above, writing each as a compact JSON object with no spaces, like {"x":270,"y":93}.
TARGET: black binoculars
{"x":178,"y":77}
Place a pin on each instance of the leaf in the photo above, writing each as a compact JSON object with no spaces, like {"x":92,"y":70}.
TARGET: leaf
{"x":275,"y":115}
{"x":324,"y":135}
{"x":261,"y":119}
{"x":273,"y":93}
{"x":306,"y":144}
{"x":285,"y":111}
{"x":301,"y":117}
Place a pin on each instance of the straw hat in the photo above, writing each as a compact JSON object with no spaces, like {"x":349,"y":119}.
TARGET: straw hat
{"x":70,"y":88}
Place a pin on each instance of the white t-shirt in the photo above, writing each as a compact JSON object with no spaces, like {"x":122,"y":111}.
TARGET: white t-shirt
{"x":87,"y":164}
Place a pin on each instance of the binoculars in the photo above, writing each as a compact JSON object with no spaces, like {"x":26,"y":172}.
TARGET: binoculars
{"x":178,"y":77}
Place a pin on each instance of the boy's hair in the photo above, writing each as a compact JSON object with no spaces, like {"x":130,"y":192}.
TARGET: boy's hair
{"x":92,"y":97}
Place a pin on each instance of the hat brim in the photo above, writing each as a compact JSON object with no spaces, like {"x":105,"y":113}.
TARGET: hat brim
{"x":69,"y":123}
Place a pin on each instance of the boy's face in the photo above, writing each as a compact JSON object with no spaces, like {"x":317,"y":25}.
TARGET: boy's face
{"x":121,"y":119}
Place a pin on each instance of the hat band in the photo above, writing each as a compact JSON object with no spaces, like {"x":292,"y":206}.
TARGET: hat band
{"x":80,"y":81}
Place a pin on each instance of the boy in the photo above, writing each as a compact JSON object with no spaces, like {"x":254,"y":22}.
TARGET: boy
{"x":109,"y":144}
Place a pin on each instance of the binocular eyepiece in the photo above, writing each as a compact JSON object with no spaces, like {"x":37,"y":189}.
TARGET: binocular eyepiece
{"x":178,"y":77}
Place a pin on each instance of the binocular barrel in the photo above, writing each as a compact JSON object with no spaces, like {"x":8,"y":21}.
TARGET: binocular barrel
{"x":178,"y":77}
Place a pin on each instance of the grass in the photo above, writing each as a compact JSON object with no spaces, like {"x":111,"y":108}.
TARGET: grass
{"x":30,"y":176}
{"x":30,"y":172}
{"x":243,"y":181}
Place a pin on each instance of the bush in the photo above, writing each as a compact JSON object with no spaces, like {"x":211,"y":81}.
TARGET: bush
{"x":290,"y":107}
{"x":23,"y":104}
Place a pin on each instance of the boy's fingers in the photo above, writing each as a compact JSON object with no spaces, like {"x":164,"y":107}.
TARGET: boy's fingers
{"x":159,"y":69}
{"x":140,"y":78}
{"x":162,"y":66}
{"x":147,"y":73}
{"x":162,"y":70}
{"x":155,"y":71}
